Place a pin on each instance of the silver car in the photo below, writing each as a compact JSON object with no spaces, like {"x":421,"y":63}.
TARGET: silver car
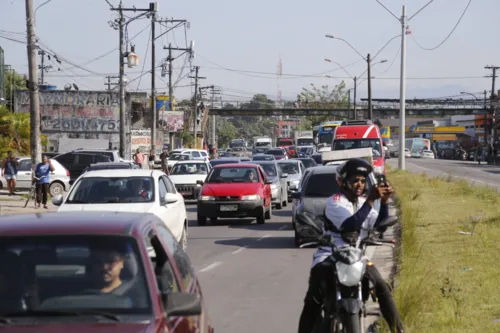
{"x":279,"y":187}
{"x":295,"y":170}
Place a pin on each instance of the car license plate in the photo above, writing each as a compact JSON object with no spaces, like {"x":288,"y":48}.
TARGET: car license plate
{"x":228,"y":208}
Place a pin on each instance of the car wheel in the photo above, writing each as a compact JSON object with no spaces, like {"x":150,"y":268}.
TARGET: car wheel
{"x":269,"y":213}
{"x":56,"y":188}
{"x":184,"y":239}
{"x":262,"y":218}
{"x":202,"y":220}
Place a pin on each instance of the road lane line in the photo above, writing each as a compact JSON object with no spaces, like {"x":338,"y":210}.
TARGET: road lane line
{"x":265,"y":236}
{"x":239,"y":250}
{"x":210,"y":267}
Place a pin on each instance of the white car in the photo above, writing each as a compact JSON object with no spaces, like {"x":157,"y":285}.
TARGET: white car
{"x":59,"y":179}
{"x":129,"y":190}
{"x":427,"y":154}
{"x":186,"y":174}
{"x":407,"y":153}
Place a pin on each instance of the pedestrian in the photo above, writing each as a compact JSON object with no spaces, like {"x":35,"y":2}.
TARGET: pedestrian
{"x":9,"y":171}
{"x":42,"y":172}
{"x":151,"y":159}
{"x":164,"y":160}
{"x":138,"y":157}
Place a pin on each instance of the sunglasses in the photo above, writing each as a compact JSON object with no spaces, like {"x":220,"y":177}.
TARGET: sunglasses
{"x":357,"y":180}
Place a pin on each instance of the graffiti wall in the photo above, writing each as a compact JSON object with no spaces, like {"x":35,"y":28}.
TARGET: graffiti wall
{"x":76,"y":111}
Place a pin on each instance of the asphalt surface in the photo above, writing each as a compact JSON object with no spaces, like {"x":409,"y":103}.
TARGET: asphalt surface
{"x":485,"y":175}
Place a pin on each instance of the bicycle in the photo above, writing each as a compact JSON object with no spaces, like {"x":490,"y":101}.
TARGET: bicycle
{"x":32,"y":191}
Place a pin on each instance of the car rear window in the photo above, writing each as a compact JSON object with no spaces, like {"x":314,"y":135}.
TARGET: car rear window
{"x":275,"y":152}
{"x":233,"y":175}
{"x":321,"y":185}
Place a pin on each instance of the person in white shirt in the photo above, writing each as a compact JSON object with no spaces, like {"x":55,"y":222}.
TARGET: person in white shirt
{"x":347,"y":213}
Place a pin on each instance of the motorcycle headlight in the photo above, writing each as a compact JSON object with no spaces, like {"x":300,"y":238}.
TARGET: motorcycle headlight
{"x":350,"y":275}
{"x":378,"y":169}
{"x":206,"y":198}
{"x":250,"y":197}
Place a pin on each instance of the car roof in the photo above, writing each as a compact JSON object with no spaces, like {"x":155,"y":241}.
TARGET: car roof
{"x":235,"y":165}
{"x":265,"y":161}
{"x":111,"y":163}
{"x":322,"y":169}
{"x":288,"y":161}
{"x":191,"y":162}
{"x":123,"y":173}
{"x":68,"y":223}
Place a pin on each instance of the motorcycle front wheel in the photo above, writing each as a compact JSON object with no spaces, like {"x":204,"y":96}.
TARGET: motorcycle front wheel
{"x":352,"y":323}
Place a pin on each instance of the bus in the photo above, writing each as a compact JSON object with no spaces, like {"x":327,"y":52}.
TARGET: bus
{"x":416,"y":145}
{"x":325,"y":132}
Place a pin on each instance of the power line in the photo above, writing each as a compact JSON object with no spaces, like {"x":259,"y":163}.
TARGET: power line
{"x":447,"y":37}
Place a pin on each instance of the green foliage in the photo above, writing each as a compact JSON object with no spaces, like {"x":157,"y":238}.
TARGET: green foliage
{"x":258,"y":101}
{"x":14,"y":132}
{"x":322,"y":97}
{"x":226,"y":132}
{"x":13,"y":83}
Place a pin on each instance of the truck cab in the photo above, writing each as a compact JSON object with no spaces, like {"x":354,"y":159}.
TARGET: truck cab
{"x":361,"y":134}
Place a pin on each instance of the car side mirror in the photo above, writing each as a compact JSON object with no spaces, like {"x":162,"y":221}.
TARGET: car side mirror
{"x":284,"y":175}
{"x":199,"y":182}
{"x":57,"y":200}
{"x":296,"y":195}
{"x":170,"y":198}
{"x":179,"y":304}
{"x":268,"y":182}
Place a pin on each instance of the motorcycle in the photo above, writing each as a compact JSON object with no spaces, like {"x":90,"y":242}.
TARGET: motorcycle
{"x":344,"y":312}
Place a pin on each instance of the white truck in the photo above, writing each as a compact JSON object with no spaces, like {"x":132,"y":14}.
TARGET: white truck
{"x":304,"y":138}
{"x":262,"y":141}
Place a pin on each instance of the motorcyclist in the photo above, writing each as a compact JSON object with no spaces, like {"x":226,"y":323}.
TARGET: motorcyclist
{"x":348,"y":211}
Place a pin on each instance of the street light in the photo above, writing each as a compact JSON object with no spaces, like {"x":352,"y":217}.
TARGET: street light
{"x":368,"y":60}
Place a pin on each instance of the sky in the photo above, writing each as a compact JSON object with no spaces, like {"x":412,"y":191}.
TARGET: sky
{"x":238,"y":44}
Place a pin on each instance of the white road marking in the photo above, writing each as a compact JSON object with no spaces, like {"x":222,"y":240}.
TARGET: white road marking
{"x":265,"y":236}
{"x":210,"y":267}
{"x":239,"y":250}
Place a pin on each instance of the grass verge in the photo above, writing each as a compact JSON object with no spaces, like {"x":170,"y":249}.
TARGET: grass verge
{"x":447,"y":274}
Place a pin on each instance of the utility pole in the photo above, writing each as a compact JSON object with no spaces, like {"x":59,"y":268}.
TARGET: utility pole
{"x":35,"y":139}
{"x":109,"y":83}
{"x":195,"y":102}
{"x":42,"y":67}
{"x":152,"y":8}
{"x":119,"y":25}
{"x":492,"y":103}
{"x":370,"y":110}
{"x":354,"y":102}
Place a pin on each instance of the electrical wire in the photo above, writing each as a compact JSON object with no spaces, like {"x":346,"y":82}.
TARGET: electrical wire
{"x":392,"y":63}
{"x":447,"y":37}
{"x":145,"y":57}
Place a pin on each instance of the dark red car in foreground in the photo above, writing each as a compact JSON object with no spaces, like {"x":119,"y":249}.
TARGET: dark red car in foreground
{"x":96,"y":272}
{"x":234,"y":191}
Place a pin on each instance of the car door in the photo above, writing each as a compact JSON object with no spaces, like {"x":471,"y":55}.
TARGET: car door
{"x":283,"y":182}
{"x":24,"y":173}
{"x":171,"y":213}
{"x":167,"y":279}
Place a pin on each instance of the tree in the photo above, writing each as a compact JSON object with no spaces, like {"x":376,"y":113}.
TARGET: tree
{"x":14,"y":132}
{"x":225,"y":132}
{"x":13,"y":83}
{"x":258,"y":101}
{"x":322,"y":97}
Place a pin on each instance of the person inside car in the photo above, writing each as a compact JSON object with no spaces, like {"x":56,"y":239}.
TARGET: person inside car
{"x":146,"y":191}
{"x":346,"y":213}
{"x":106,"y":268}
{"x":249,"y":176}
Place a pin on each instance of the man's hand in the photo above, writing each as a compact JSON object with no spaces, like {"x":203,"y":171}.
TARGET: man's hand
{"x":385,"y":193}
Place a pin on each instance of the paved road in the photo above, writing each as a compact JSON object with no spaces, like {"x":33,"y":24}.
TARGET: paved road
{"x":253,"y":277}
{"x":479,"y":174}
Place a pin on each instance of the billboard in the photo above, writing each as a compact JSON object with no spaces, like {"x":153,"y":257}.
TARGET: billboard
{"x":172,"y":121}
{"x":385,"y":133}
{"x":163,"y":103}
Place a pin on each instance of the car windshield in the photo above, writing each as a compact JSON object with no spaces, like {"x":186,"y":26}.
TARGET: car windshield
{"x":262,"y":144}
{"x":101,"y":190}
{"x":309,"y":162}
{"x":72,"y":274}
{"x":263,"y":158}
{"x":234,"y":175}
{"x":344,"y":144}
{"x":174,"y":157}
{"x":321,"y":185}
{"x":270,"y":169}
{"x":275,"y":152}
{"x":289,"y":168}
{"x":260,"y":150}
{"x":189,"y":169}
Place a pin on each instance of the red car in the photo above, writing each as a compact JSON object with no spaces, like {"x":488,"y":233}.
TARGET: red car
{"x":235,"y":190}
{"x":96,"y":271}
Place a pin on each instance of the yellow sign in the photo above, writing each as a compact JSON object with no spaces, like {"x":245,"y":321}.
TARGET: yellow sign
{"x":439,"y":129}
{"x":444,"y":137}
{"x":163,"y":103}
{"x":385,"y":132}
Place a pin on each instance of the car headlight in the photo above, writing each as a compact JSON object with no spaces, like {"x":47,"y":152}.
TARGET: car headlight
{"x":206,"y":198}
{"x":250,"y":197}
{"x":378,"y":169}
{"x":350,"y":275}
